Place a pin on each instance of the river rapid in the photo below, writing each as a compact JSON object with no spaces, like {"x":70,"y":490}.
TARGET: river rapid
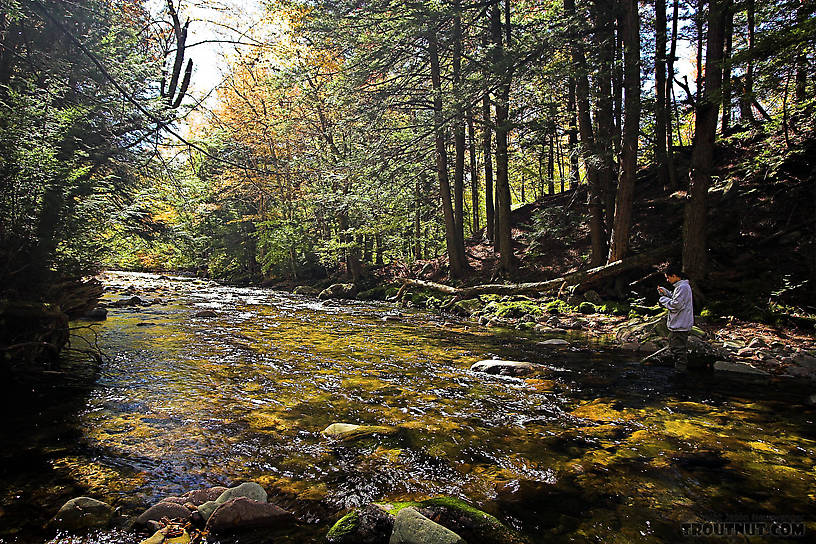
{"x":592,"y":448}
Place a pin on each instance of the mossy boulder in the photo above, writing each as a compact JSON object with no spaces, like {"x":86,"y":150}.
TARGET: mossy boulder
{"x":587,"y":308}
{"x":515,"y":308}
{"x":374,"y":524}
{"x":468,"y":307}
{"x":368,"y":525}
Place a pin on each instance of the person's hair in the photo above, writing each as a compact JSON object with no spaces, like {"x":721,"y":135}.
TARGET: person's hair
{"x":674,"y":269}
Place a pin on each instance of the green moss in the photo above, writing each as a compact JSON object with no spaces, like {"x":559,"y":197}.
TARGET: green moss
{"x":613,"y":308}
{"x":515,"y":308}
{"x":587,"y":308}
{"x":557,"y":307}
{"x":344,"y":526}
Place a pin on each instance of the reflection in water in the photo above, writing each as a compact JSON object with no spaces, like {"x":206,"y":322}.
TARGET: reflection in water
{"x":590,"y":448}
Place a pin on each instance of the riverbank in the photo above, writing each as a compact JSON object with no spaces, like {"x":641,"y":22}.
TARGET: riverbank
{"x":727,"y":343}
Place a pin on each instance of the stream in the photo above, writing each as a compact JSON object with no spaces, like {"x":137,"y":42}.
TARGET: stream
{"x":594,"y":447}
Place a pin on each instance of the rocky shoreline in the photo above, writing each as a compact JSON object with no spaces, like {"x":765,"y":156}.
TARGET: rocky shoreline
{"x":196,"y":515}
{"x":724,"y":344}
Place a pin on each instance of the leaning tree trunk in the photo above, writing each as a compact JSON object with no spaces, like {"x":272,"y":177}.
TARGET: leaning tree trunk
{"x":619,"y":242}
{"x":702,"y":158}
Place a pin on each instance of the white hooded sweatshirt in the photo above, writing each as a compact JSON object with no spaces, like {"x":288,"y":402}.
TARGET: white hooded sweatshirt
{"x":681,"y":307}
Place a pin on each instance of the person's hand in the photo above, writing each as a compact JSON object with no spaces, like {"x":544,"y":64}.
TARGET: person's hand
{"x":663,"y":291}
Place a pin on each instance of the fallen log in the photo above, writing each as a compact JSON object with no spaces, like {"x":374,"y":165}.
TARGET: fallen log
{"x":582,"y":277}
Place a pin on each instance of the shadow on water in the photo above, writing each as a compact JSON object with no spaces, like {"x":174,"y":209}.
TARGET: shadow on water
{"x":590,"y":448}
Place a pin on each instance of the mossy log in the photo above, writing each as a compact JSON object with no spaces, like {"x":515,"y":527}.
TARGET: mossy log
{"x":580,"y":278}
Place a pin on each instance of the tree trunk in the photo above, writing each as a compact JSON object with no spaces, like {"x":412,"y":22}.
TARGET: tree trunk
{"x":661,"y":113}
{"x":604,"y":19}
{"x":572,"y":141}
{"x":458,"y":133}
{"x":619,"y":243}
{"x":474,"y":174}
{"x":487,"y":151}
{"x":503,"y":199}
{"x":417,"y":220}
{"x":455,"y":256}
{"x":551,"y":165}
{"x":595,"y":199}
{"x":702,"y":159}
{"x":669,"y":94}
{"x":726,"y":77}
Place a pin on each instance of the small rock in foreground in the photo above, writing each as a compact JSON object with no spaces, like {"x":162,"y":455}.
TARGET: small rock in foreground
{"x":245,"y":513}
{"x":411,"y":527}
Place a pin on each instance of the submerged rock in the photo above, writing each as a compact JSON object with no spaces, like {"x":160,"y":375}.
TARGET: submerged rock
{"x":411,"y":527}
{"x":82,"y":513}
{"x":338,"y":290}
{"x":206,"y":313}
{"x":554,"y":342}
{"x":349,"y":431}
{"x":245,"y":513}
{"x":504,"y":368}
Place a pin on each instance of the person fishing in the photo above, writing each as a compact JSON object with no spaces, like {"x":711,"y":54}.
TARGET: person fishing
{"x":681,"y":314}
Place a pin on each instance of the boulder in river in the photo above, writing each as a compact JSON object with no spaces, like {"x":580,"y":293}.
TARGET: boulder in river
{"x":199,"y":496}
{"x":368,"y":525}
{"x":206,"y":313}
{"x":338,"y":290}
{"x":97,"y":314}
{"x":741,"y":368}
{"x":249,"y":490}
{"x":245,"y":513}
{"x":349,"y":431}
{"x":163,"y":509}
{"x":82,"y":513}
{"x":411,"y":527}
{"x":504,"y":368}
{"x":132,"y":301}
{"x":376,"y":523}
{"x":305,"y":290}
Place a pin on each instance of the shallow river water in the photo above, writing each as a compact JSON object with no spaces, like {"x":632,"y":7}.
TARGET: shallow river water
{"x":593,"y":448}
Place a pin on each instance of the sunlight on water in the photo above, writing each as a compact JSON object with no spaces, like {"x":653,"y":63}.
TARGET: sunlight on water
{"x":587,"y":446}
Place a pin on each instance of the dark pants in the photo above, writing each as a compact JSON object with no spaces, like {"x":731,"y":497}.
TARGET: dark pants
{"x":678,"y":345}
